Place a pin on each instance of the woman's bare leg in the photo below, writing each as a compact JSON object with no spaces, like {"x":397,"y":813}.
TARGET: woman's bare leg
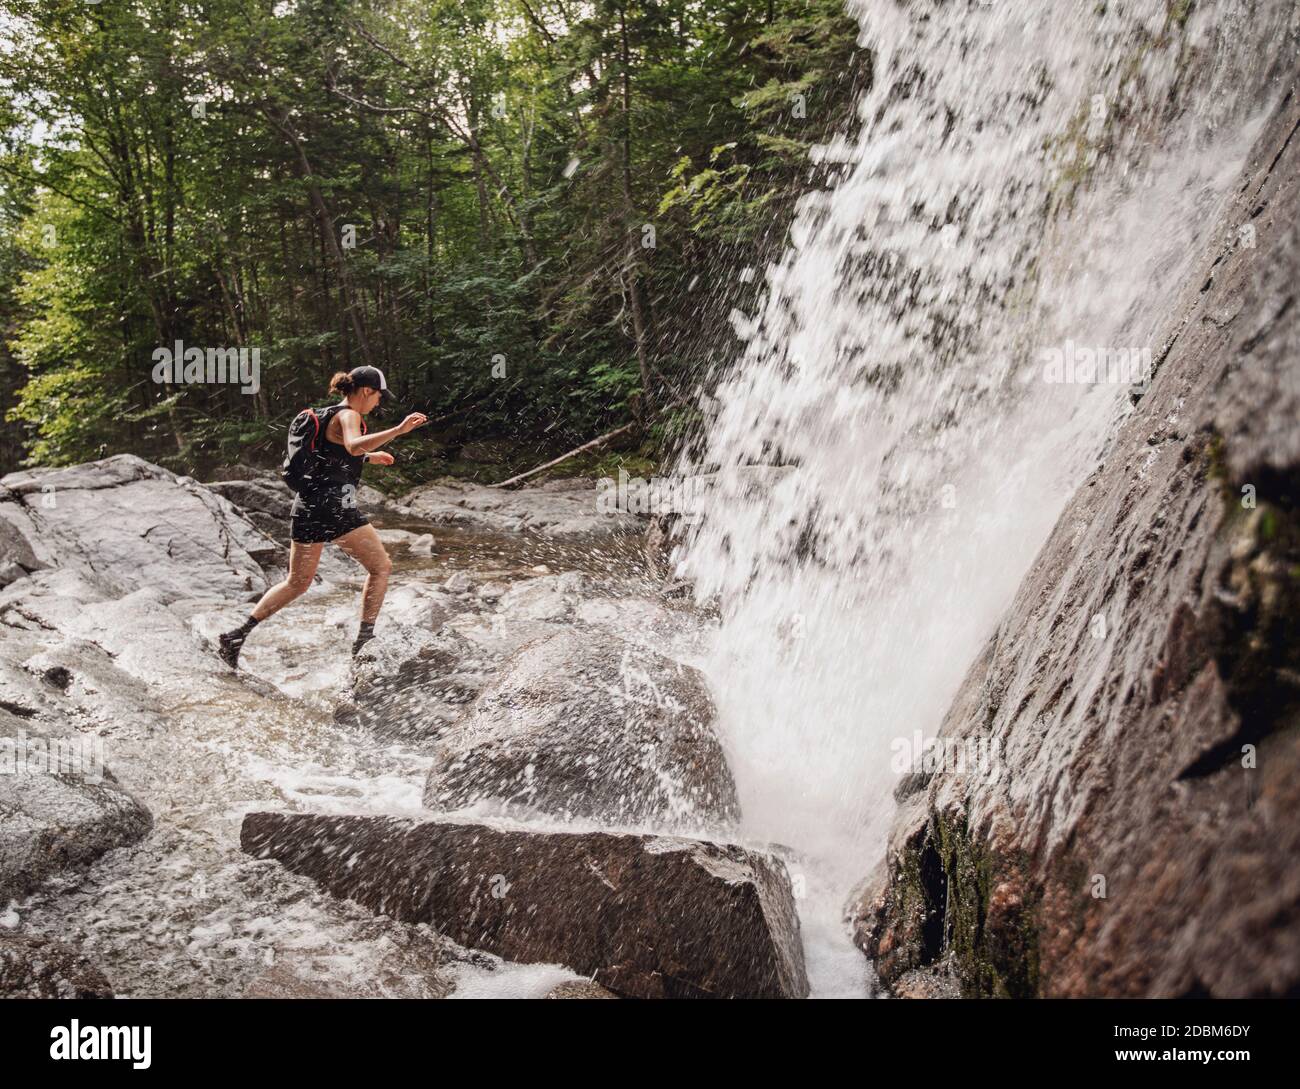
{"x":303,"y":559}
{"x":364,"y":546}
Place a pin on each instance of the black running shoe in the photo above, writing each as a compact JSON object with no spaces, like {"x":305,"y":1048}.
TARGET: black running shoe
{"x":231,"y":643}
{"x":361,"y":640}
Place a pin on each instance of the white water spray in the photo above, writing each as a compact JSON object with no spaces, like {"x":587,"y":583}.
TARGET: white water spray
{"x":889,"y":455}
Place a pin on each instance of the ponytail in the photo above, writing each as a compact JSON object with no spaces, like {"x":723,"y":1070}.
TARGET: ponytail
{"x":342,"y":383}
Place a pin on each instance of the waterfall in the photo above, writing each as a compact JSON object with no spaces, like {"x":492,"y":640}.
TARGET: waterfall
{"x":1027,"y":184}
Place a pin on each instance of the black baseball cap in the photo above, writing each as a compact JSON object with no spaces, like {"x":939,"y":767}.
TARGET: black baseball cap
{"x":371,"y":378}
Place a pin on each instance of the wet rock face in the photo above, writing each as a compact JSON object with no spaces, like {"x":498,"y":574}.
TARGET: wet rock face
{"x":35,"y":967}
{"x":64,"y":704}
{"x":111,"y":557}
{"x":410,"y":683}
{"x":1135,"y":831}
{"x":59,"y":808}
{"x":413,"y":963}
{"x":582,"y":724}
{"x":643,"y":916}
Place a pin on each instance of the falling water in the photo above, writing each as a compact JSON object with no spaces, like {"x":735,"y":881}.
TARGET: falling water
{"x":888,"y":455}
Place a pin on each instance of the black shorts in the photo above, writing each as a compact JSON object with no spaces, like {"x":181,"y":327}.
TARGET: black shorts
{"x":325,"y":516}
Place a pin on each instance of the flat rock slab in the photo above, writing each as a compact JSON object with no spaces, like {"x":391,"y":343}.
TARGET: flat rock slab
{"x":643,"y":916}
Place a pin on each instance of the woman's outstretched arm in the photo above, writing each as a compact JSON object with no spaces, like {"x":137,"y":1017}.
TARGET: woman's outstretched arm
{"x":356,"y":443}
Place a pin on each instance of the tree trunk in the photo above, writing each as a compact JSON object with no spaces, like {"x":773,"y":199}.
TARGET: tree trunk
{"x":633,"y":269}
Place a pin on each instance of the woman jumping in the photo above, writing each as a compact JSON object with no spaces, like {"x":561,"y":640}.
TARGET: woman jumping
{"x":326,"y":471}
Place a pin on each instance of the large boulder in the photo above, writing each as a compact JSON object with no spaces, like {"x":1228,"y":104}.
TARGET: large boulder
{"x":1132,"y":829}
{"x":584,"y":725}
{"x":131,"y":524}
{"x":643,"y":916}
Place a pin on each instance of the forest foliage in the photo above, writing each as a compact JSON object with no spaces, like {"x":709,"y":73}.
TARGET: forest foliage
{"x":534,"y":215}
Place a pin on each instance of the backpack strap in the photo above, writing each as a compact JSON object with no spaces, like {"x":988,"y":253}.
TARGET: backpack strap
{"x":324,"y":417}
{"x":329,"y":414}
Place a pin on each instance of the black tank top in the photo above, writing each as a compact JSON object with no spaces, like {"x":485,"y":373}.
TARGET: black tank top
{"x":338,"y":467}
